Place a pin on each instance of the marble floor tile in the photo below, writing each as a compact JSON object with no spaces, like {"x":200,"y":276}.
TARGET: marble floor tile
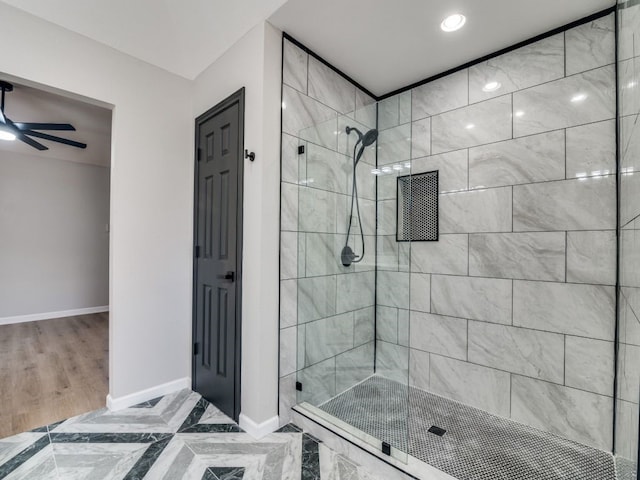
{"x":205,"y":445}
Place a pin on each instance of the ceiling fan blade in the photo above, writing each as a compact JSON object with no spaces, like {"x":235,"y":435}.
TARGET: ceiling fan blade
{"x":30,"y":141}
{"x":44,"y":126}
{"x":52,"y":138}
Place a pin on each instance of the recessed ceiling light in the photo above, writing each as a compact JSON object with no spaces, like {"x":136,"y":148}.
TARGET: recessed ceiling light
{"x":519,"y":113}
{"x":578,"y":97}
{"x":8,"y":136}
{"x":491,"y":86}
{"x":453,"y":22}
{"x":470,"y":126}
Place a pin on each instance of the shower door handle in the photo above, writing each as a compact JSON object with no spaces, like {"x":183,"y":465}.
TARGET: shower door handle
{"x":231,"y":276}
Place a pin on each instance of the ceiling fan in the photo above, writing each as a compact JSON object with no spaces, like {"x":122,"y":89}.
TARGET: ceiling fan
{"x":10,"y":130}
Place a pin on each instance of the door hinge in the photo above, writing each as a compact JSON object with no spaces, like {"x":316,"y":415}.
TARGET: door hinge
{"x":199,"y":154}
{"x":196,"y":251}
{"x":196,"y":348}
{"x":299,"y":386}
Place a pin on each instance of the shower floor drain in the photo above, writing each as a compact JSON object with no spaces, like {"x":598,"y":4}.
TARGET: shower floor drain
{"x":477,"y":445}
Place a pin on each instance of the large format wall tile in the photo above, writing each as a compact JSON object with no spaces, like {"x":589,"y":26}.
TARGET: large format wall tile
{"x":440,"y":95}
{"x":438,"y":334}
{"x":293,"y":164}
{"x":419,"y":369}
{"x":330,"y":88}
{"x":529,"y":256}
{"x":316,"y":298}
{"x":420,"y":292}
{"x":421,"y":138}
{"x":536,"y":158}
{"x":448,"y":255}
{"x":392,"y":361}
{"x":475,"y":298}
{"x":630,"y":190}
{"x":537,"y":63}
{"x":591,"y":45}
{"x":387,"y":324}
{"x":627,"y":429}
{"x":591,"y":149}
{"x":481,"y":387}
{"x":591,"y":257}
{"x":476,"y":211}
{"x":518,"y":350}
{"x":393,"y":289}
{"x":306,"y":118}
{"x":289,"y":207}
{"x":327,"y":170}
{"x":477,"y":124}
{"x":582,"y":204}
{"x":581,"y":416}
{"x":364,"y":328}
{"x":288,"y":303}
{"x":317,"y":210}
{"x":583,"y":310}
{"x":354,"y":366}
{"x":451,"y":167}
{"x":318,"y":381}
{"x":328,"y":337}
{"x":584,"y":98}
{"x":294,"y":67}
{"x":394,"y":144}
{"x":598,"y":355}
{"x":355,"y":291}
{"x":629,"y":373}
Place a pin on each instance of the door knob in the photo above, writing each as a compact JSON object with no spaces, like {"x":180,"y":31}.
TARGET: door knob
{"x":231,"y":276}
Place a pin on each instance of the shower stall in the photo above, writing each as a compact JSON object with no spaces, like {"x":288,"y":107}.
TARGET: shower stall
{"x":450,"y":293}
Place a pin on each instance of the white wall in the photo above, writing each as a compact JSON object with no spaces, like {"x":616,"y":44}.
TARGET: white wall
{"x":54,"y":246}
{"x":254,"y":62}
{"x":151,"y":191}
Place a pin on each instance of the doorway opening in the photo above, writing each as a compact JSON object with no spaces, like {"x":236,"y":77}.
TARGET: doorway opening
{"x":54,"y":257}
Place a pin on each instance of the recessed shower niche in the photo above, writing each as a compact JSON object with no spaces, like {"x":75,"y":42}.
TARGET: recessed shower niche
{"x":434,"y":274}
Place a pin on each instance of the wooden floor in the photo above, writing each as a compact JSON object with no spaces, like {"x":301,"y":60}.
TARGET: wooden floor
{"x":51,"y":370}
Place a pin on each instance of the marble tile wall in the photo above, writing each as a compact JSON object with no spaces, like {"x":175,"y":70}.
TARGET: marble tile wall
{"x":627,"y":408}
{"x":513,"y":309}
{"x":326,"y":310}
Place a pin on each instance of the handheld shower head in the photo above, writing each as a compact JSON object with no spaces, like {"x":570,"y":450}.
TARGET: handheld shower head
{"x":367,"y":139}
{"x":370,"y":137}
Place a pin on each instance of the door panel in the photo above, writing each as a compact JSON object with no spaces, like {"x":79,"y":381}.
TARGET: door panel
{"x":217,"y":273}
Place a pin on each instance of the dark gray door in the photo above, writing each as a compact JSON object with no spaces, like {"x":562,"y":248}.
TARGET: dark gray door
{"x":218,"y":254}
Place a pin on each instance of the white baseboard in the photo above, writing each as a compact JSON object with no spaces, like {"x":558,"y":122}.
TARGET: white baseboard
{"x":259,"y":430}
{"x":50,"y":315}
{"x":135,"y":398}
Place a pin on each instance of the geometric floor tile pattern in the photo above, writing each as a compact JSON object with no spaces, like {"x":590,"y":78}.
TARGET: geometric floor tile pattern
{"x":176,"y":437}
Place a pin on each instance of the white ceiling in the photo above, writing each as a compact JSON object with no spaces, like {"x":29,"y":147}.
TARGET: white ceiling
{"x":382,"y":44}
{"x":92,"y":123}
{"x":389,"y":44}
{"x":181,"y":36}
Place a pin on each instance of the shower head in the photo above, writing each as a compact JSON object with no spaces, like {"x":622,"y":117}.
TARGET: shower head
{"x":370,"y":137}
{"x":367,"y":139}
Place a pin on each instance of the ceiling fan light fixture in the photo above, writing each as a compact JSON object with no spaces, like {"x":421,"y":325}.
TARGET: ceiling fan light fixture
{"x":6,"y":135}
